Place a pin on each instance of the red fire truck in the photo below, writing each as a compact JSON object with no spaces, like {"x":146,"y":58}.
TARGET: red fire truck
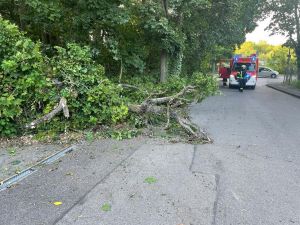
{"x":235,"y":66}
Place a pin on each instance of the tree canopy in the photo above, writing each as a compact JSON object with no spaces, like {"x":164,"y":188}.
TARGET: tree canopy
{"x":269,"y":55}
{"x":285,"y":20}
{"x":130,"y":36}
{"x":76,"y":56}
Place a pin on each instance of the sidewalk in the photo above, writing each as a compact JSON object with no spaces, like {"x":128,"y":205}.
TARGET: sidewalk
{"x":285,"y":89}
{"x":137,"y":181}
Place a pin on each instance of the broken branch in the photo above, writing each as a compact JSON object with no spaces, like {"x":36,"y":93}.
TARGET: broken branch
{"x":170,"y":99}
{"x":62,"y":106}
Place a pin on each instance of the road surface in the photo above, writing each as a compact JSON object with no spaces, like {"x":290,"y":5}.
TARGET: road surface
{"x":250,"y":175}
{"x":256,"y":155}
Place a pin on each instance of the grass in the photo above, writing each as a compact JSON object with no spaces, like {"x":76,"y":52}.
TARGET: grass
{"x":12,"y":151}
{"x":296,"y":84}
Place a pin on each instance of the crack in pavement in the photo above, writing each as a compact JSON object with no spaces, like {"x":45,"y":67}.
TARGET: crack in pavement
{"x":217,"y":178}
{"x":193,"y":158}
{"x":81,"y":200}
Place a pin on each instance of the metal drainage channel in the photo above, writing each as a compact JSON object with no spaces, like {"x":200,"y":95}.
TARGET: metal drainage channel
{"x":25,"y":173}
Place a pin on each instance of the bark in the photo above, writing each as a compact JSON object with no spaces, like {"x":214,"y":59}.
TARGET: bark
{"x":163,"y":106}
{"x":165,"y":7}
{"x":163,"y":65}
{"x":298,"y":39}
{"x":164,"y":54}
{"x":62,"y":106}
{"x":298,"y":60}
{"x":192,"y":130}
{"x":121,"y":71}
{"x":170,"y":99}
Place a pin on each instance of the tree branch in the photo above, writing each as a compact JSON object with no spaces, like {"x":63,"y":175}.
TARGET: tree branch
{"x":62,"y":106}
{"x":170,"y":99}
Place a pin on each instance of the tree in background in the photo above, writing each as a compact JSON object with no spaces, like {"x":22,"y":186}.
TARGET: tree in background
{"x":74,"y":51}
{"x":247,"y":48}
{"x":285,"y":21}
{"x":166,"y":37}
{"x":269,"y":55}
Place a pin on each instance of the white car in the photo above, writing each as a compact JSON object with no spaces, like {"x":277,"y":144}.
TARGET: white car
{"x":267,"y":72}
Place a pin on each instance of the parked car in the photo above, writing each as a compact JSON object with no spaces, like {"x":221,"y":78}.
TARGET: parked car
{"x":267,"y":72}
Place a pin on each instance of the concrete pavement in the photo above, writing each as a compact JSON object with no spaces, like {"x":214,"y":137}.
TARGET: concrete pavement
{"x":179,"y":196}
{"x":114,"y":173}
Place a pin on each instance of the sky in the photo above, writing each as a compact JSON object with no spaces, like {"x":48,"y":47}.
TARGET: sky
{"x":259,"y":34}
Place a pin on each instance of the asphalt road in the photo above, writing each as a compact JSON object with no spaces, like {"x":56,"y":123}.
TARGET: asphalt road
{"x":250,"y":175}
{"x":256,"y":155}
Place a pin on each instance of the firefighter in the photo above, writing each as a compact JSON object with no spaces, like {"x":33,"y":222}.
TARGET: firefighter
{"x":242,"y":77}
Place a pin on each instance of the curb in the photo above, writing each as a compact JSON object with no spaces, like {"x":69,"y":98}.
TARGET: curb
{"x":285,"y":90}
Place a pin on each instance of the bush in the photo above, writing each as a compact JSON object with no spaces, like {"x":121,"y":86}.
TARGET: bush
{"x":32,"y":84}
{"x":27,"y":90}
{"x":207,"y":85}
{"x":91,"y":97}
{"x":24,"y":87}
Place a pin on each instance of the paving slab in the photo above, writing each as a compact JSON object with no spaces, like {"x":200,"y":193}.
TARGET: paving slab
{"x":176,"y":196}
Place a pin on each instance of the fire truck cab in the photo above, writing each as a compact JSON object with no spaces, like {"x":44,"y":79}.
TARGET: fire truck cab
{"x":251,"y":63}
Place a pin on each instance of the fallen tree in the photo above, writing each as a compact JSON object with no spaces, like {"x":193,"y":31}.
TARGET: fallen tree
{"x":169,"y":106}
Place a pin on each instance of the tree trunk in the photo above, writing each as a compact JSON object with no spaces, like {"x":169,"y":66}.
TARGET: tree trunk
{"x":163,"y":66}
{"x":164,"y":54}
{"x":121,"y":71}
{"x":298,"y":40}
{"x":165,"y":5}
{"x":298,"y":61}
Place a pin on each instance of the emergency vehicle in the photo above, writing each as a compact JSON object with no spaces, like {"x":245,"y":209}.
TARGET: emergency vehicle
{"x":235,"y":66}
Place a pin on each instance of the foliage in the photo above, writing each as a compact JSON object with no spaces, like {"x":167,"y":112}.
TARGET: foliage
{"x":296,"y":84}
{"x":206,"y":85}
{"x":123,"y":134}
{"x":27,"y":89}
{"x":150,"y":180}
{"x":128,"y":36}
{"x":269,"y":55}
{"x":285,"y":20}
{"x":106,"y":207}
{"x":66,"y":43}
{"x":91,"y":97}
{"x":24,"y":87}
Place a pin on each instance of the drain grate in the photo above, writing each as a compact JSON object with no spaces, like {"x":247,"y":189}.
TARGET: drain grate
{"x":18,"y":177}
{"x":56,"y":156}
{"x":14,"y":179}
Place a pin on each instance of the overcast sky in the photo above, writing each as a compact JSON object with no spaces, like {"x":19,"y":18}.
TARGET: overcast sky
{"x":259,"y":34}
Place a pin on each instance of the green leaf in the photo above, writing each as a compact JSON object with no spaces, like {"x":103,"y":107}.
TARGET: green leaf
{"x":150,"y":180}
{"x":15,"y":162}
{"x":106,"y":207}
